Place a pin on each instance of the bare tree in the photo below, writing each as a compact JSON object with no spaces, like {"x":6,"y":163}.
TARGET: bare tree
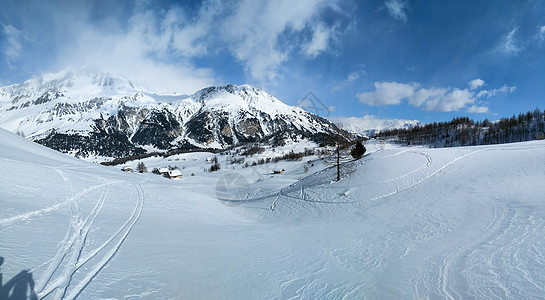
{"x":338,"y":162}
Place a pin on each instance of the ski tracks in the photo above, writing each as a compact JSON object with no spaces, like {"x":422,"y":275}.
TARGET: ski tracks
{"x":450,"y":260}
{"x":411,"y":178}
{"x":427,"y":177}
{"x":59,"y":279}
{"x":503,"y":257}
{"x":71,"y":202}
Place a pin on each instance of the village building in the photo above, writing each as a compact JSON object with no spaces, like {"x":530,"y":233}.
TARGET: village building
{"x":278,"y":171}
{"x":163,"y":171}
{"x":176,"y":173}
{"x":126,"y":169}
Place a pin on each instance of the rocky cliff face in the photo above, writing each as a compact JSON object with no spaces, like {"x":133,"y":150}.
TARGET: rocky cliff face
{"x":89,"y":114}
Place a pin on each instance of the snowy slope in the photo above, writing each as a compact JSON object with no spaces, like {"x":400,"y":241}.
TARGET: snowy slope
{"x":402,"y":223}
{"x":88,"y":113}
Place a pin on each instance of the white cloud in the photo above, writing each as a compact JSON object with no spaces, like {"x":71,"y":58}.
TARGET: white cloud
{"x":350,"y":79}
{"x":387,"y":93}
{"x":476,"y":83}
{"x":14,"y":42}
{"x":164,"y":47}
{"x":396,"y":9}
{"x":421,"y":96}
{"x":478,"y":109}
{"x":452,"y":101}
{"x":254,"y":32}
{"x":496,"y":92}
{"x":141,"y":53}
{"x":190,"y":38}
{"x":432,"y":99}
{"x":509,"y":44}
{"x":320,"y":40}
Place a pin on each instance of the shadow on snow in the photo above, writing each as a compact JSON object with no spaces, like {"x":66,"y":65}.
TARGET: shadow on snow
{"x":21,"y":286}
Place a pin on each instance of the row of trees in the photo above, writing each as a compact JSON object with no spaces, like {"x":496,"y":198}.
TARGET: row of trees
{"x":463,"y":131}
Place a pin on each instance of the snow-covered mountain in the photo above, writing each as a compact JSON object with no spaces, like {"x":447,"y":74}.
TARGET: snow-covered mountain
{"x":368,"y":125}
{"x":97,"y":113}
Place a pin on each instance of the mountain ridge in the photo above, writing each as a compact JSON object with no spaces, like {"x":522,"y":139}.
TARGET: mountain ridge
{"x":100,"y":114}
{"x":369,"y":125}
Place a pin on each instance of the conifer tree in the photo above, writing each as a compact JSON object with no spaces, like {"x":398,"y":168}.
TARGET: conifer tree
{"x":358,"y":151}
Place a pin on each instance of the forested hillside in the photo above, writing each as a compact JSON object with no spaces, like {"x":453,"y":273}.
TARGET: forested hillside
{"x":463,"y":131}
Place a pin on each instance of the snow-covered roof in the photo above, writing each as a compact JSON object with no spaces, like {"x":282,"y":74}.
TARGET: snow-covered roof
{"x":163,"y":170}
{"x":174,"y":173}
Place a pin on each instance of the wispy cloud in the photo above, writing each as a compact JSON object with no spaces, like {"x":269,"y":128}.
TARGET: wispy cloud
{"x":262,"y":35}
{"x":167,"y":47}
{"x":396,"y":9}
{"x":190,"y":37}
{"x":509,"y":43}
{"x":541,"y":34}
{"x":497,"y":92}
{"x":141,"y":52}
{"x":432,"y":99}
{"x":13,"y":42}
{"x":350,"y":79}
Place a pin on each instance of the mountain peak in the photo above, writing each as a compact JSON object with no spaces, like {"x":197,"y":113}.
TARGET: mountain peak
{"x":100,"y":113}
{"x":90,"y":80}
{"x":74,"y":83}
{"x":241,"y":96}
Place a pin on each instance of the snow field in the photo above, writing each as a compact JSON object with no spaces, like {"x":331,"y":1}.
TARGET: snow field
{"x":412,"y":222}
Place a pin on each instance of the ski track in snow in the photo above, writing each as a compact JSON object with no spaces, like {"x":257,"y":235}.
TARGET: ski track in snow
{"x":299,"y":187}
{"x":71,"y":202}
{"x":491,"y":263}
{"x":506,"y":263}
{"x":124,"y":231}
{"x":498,"y":256}
{"x":430,"y":251}
{"x":427,"y":177}
{"x":449,"y":262}
{"x":68,"y":259}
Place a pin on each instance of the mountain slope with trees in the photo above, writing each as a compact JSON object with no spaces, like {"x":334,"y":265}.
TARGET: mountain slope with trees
{"x":463,"y":131}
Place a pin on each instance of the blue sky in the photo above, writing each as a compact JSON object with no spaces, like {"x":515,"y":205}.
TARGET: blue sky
{"x":424,"y":60}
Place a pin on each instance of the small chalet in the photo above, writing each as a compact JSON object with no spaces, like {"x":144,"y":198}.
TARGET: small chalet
{"x":174,"y":174}
{"x":126,"y":169}
{"x":163,"y":171}
{"x":278,"y":171}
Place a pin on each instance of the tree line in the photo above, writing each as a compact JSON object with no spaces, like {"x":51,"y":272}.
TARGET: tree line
{"x":462,"y":131}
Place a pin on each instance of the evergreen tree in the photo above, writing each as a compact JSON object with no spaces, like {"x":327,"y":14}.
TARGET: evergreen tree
{"x":358,"y":151}
{"x":141,"y":167}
